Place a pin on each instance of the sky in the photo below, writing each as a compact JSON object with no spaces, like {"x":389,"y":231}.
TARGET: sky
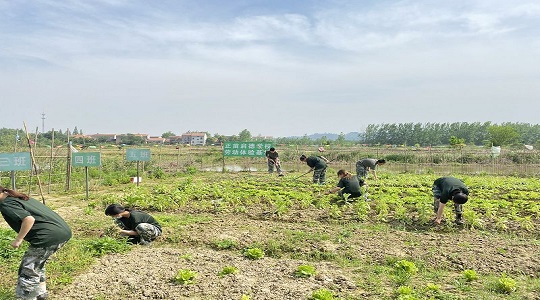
{"x":276,"y":68}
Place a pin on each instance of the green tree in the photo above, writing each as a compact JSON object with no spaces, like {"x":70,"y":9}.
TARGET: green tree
{"x":168,"y":134}
{"x":323,"y":141}
{"x":131,"y":139}
{"x":456,"y":142}
{"x":340,"y":139}
{"x":244,"y":135}
{"x":501,"y":135}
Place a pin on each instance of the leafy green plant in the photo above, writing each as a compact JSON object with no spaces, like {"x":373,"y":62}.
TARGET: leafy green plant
{"x":322,"y":294}
{"x":305,"y":271}
{"x":505,"y":285}
{"x":107,"y":245}
{"x":253,"y":253}
{"x":224,"y":244}
{"x":470,"y":275}
{"x":403,"y":271}
{"x":227,"y":270}
{"x":405,"y":292}
{"x":405,"y":266}
{"x":185,"y":276}
{"x":187,"y":257}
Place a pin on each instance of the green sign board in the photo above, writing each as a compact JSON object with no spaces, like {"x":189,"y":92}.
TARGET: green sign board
{"x":138,"y":154}
{"x":247,"y":149}
{"x":86,"y":159}
{"x":18,"y":161}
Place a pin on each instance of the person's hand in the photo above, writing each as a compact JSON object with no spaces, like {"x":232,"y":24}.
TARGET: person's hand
{"x":16,"y":243}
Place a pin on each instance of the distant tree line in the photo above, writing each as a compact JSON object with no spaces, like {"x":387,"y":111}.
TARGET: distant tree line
{"x":424,"y":134}
{"x":446,"y":133}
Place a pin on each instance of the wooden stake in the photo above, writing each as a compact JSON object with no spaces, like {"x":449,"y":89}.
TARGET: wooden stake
{"x":34,"y":163}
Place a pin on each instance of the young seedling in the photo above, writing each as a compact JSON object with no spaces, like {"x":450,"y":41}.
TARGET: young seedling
{"x":224,"y":244}
{"x":470,"y":275}
{"x":505,"y":285}
{"x":305,"y":271}
{"x":322,"y":294}
{"x":228,"y":270}
{"x":253,"y":253}
{"x":185,"y":276}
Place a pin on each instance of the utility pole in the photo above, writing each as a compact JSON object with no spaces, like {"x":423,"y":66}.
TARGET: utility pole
{"x":43,"y":122}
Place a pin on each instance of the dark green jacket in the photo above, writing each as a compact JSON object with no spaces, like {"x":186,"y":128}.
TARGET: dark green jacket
{"x":448,"y":185}
{"x":49,"y":228}
{"x":349,"y":185}
{"x":135,"y":218}
{"x":316,"y":162}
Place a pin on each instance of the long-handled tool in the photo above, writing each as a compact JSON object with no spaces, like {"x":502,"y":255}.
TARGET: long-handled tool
{"x":366,"y":193}
{"x":277,"y":165}
{"x":303,"y":174}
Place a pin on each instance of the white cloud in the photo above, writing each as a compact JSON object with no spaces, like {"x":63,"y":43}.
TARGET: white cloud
{"x":403,"y":58}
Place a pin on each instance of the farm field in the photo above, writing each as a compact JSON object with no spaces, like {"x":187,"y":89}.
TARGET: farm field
{"x":251,"y":235}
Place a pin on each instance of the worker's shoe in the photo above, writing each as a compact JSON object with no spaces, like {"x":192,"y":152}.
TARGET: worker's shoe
{"x":43,"y":296}
{"x":459,"y":219}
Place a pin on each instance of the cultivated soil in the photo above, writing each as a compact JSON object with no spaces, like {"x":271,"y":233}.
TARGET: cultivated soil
{"x":146,"y":271}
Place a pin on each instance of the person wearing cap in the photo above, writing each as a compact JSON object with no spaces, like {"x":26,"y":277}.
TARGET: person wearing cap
{"x":318,"y":166}
{"x":273,"y":160}
{"x":449,"y":188}
{"x":347,"y":184}
{"x":139,"y":227}
{"x":364,"y":166}
{"x":43,"y":229}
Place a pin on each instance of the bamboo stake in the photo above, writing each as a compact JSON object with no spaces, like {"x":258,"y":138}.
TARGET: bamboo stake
{"x":34,"y":163}
{"x":51,"y":162}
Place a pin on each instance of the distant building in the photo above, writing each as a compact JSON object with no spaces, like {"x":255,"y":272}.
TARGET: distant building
{"x":82,"y":136}
{"x":194,"y":138}
{"x":156,"y":140}
{"x":104,"y":137}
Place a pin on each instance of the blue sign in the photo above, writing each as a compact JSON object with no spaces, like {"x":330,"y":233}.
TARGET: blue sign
{"x":18,"y":161}
{"x":138,"y":154}
{"x":86,"y":159}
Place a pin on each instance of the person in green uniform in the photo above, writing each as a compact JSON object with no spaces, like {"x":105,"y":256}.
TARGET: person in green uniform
{"x":449,"y":188}
{"x":139,"y":227}
{"x":364,"y":166}
{"x":347,"y":184}
{"x":273,"y":160}
{"x":46,"y":232}
{"x":318,"y":166}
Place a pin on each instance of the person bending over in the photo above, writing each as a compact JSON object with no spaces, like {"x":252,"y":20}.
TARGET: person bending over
{"x":139,"y":227}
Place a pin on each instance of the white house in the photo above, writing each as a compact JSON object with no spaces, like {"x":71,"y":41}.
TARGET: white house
{"x":194,"y":138}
